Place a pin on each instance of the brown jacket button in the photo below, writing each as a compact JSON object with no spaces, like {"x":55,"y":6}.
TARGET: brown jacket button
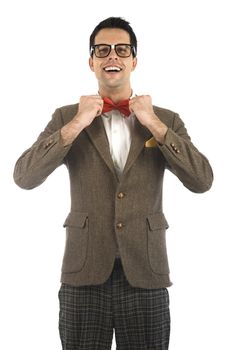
{"x":119,"y":225}
{"x":120,"y":195}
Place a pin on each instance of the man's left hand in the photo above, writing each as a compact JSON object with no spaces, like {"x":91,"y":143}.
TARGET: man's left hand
{"x":142,"y":107}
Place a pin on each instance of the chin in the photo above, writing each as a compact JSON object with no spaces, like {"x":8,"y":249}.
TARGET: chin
{"x":113,"y":84}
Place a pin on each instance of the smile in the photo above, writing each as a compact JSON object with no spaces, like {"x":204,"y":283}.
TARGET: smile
{"x":112,"y":69}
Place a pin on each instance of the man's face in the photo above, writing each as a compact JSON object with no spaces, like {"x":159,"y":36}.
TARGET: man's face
{"x":124,"y":65}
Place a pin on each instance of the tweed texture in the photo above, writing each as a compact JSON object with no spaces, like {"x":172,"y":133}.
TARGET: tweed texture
{"x":109,"y":214}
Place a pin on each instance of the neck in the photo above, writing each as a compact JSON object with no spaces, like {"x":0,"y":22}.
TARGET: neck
{"x":115,"y":95}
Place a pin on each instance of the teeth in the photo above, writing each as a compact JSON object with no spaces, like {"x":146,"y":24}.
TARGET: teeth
{"x":112,"y":68}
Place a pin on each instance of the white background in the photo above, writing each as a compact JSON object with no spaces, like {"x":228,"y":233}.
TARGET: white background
{"x":185,"y":64}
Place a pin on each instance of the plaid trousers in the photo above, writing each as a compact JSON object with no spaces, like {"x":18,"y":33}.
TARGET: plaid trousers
{"x":88,"y":315}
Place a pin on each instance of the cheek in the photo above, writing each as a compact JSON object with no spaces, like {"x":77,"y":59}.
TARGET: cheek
{"x":130,"y":68}
{"x":95,"y":67}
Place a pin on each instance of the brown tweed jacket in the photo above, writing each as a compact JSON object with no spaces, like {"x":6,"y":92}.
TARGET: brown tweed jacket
{"x":108,"y":212}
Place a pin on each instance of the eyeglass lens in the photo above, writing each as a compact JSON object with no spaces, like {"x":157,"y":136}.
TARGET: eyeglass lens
{"x":122,"y":50}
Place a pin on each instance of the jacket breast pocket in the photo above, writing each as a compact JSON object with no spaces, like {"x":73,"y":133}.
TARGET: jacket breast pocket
{"x":76,"y":246}
{"x":157,"y":250}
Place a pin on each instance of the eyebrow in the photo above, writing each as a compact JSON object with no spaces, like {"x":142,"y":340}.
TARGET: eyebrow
{"x":113,"y":44}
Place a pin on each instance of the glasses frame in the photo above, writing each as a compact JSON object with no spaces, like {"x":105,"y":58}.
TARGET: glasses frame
{"x":113,"y":47}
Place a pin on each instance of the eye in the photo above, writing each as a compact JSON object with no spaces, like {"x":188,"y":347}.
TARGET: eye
{"x":122,"y":49}
{"x":102,"y":50}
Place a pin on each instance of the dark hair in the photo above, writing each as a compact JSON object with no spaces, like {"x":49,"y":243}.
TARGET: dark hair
{"x":115,"y":22}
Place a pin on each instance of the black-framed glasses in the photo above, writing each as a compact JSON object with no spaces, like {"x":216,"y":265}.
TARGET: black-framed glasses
{"x":103,"y":50}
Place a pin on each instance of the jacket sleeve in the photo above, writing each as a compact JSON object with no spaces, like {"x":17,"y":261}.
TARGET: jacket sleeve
{"x":45,"y":155}
{"x":184,"y":159}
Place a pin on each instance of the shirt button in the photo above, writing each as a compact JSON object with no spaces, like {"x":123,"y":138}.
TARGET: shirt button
{"x":121,"y":195}
{"x":119,"y":225}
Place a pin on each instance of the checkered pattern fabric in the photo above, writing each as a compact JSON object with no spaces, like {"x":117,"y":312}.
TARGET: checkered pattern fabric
{"x":88,"y":315}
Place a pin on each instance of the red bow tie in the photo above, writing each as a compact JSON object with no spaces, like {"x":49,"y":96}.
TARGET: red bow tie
{"x":122,"y":106}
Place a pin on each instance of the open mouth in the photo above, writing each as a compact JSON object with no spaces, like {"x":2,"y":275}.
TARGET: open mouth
{"x":112,"y":69}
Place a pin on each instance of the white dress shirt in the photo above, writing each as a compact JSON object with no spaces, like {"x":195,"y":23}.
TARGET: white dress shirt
{"x":119,"y":132}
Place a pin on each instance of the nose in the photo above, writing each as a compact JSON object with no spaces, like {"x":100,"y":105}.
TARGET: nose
{"x":113,"y":54}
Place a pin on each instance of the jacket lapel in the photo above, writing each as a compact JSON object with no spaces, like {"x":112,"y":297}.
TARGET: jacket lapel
{"x":139,"y":137}
{"x":98,"y":136}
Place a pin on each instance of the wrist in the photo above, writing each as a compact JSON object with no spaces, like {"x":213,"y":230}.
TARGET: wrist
{"x":159,"y":130}
{"x":70,"y":131}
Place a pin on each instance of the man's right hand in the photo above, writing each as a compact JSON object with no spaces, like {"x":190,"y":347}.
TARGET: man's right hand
{"x":90,"y":107}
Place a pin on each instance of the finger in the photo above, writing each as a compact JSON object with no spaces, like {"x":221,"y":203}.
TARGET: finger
{"x":100,"y":107}
{"x":99,"y":111}
{"x":101,"y":103}
{"x":131,"y":101}
{"x":97,"y":97}
{"x":131,"y":108}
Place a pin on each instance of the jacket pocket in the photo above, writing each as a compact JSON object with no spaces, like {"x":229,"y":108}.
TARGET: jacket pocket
{"x":157,"y":250}
{"x":75,"y":254}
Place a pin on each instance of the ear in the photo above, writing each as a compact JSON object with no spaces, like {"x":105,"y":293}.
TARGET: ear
{"x":134,"y":63}
{"x":91,"y":65}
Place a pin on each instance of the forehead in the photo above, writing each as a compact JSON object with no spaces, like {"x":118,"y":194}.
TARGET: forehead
{"x":112,"y":36}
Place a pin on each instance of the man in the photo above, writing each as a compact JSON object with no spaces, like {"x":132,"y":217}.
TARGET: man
{"x":116,"y":146}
